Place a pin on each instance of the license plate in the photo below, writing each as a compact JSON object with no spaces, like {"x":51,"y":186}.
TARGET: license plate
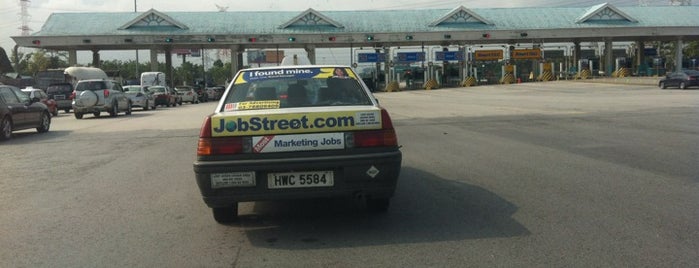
{"x":300,"y":179}
{"x":59,"y":97}
{"x":232,"y":179}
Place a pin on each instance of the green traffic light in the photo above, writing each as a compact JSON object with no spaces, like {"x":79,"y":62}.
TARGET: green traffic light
{"x":292,"y":39}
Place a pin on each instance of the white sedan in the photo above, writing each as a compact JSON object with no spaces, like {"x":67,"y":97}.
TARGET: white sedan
{"x":140,"y":97}
{"x":187,"y":94}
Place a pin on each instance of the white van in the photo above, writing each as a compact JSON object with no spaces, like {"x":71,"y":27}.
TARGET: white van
{"x":153,"y":79}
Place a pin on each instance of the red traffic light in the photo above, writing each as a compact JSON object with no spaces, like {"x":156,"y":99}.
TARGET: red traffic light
{"x":332,"y":39}
{"x":36,"y":42}
{"x":252,"y":39}
{"x":486,"y":35}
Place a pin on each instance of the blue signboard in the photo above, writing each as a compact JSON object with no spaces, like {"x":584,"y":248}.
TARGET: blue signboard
{"x":371,"y":57}
{"x":449,"y":55}
{"x":411,"y":56}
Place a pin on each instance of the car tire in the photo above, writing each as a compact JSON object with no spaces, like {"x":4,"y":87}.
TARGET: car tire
{"x":45,"y":123}
{"x":78,"y":115}
{"x":167,"y":105}
{"x":55,"y":112}
{"x":96,"y":114}
{"x":128,"y":108}
{"x":67,"y":110}
{"x":662,"y":85}
{"x":226,"y":215}
{"x":5,"y":128}
{"x":683,"y":85}
{"x":378,"y":204}
{"x":146,"y":107}
{"x":115,"y":110}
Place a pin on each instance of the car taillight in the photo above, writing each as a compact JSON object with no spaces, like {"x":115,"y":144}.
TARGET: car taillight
{"x":209,"y":145}
{"x":386,"y":136}
{"x":692,"y":78}
{"x":106,"y":93}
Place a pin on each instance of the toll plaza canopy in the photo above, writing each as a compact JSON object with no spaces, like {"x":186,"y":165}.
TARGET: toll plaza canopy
{"x":310,"y":29}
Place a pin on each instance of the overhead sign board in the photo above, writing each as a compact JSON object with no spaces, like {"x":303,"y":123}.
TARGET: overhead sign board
{"x":526,"y":54}
{"x":371,"y":57}
{"x":488,"y":54}
{"x":449,"y":55}
{"x":411,"y":56}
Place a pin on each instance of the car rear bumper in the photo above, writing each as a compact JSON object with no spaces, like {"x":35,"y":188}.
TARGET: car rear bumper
{"x":352,"y":174}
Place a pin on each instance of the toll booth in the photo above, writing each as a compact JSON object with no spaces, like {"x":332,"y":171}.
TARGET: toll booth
{"x":487,"y":65}
{"x":584,"y":69}
{"x":370,"y":68}
{"x":622,"y":67}
{"x":546,"y":71}
{"x":658,"y":67}
{"x":406,"y":70}
{"x":452,"y":66}
{"x":526,"y":63}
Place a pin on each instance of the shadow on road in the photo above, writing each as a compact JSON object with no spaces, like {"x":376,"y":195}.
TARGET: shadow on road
{"x":426,"y":208}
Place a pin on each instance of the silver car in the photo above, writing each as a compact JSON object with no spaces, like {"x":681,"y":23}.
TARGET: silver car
{"x":98,"y":95}
{"x":140,"y":97}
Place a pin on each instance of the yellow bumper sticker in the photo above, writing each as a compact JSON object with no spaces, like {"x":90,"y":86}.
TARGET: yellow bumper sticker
{"x":223,"y":125}
{"x":252,"y":105}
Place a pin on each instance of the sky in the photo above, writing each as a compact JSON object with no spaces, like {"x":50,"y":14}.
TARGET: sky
{"x":39,"y":10}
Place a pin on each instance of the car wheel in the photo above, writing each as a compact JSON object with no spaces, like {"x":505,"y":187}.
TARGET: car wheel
{"x":45,"y":123}
{"x":683,"y":85}
{"x":662,"y":85}
{"x":146,"y":107}
{"x":96,"y":114}
{"x":115,"y":110}
{"x":378,"y":204}
{"x":55,"y":112}
{"x":128,"y":108}
{"x":226,"y":214}
{"x":78,"y":115}
{"x":67,"y":110}
{"x":6,"y":128}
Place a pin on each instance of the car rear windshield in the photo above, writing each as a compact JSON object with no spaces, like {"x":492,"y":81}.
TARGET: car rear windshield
{"x":157,"y":89}
{"x":132,"y":89}
{"x":59,"y":89}
{"x":291,"y":88}
{"x":91,"y":85}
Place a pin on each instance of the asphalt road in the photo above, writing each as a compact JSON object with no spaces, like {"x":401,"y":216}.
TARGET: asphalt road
{"x":529,"y":175}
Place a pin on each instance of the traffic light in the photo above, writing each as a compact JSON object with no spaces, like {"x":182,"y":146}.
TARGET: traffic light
{"x":486,"y":35}
{"x":252,"y":39}
{"x":292,"y":39}
{"x":370,"y":38}
{"x":408,"y":37}
{"x":210,"y":39}
{"x":168,"y":40}
{"x":331,"y":39}
{"x":36,"y":42}
{"x":447,"y":36}
{"x":523,"y":34}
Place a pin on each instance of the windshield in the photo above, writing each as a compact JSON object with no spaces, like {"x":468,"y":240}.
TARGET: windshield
{"x":132,"y":89}
{"x":306,"y":88}
{"x":157,"y":89}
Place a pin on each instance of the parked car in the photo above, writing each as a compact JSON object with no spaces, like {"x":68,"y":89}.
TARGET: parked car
{"x":140,"y":97}
{"x":35,"y":93}
{"x":682,"y":79}
{"x":178,"y":98}
{"x":215,"y":92}
{"x":203,"y":96}
{"x":187,"y":94}
{"x":317,"y":132}
{"x":163,"y":95}
{"x":62,"y":94}
{"x":99,"y":95}
{"x":18,"y":112}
